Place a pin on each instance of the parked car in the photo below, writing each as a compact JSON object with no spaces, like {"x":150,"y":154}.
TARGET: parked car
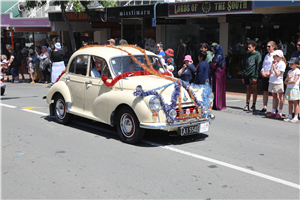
{"x":128,"y":88}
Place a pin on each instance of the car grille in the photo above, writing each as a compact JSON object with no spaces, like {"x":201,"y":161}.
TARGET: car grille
{"x":187,"y":114}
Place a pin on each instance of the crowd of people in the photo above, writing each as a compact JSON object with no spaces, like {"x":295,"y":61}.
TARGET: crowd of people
{"x":272,"y":69}
{"x":209,"y":70}
{"x":43,"y":63}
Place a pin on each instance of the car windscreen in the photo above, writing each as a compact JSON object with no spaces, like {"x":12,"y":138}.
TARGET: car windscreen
{"x":124,"y":64}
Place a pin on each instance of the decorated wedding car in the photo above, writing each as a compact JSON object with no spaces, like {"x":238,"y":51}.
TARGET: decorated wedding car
{"x":129,"y":88}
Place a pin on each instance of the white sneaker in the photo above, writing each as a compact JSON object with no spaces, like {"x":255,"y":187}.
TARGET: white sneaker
{"x":16,"y":81}
{"x":287,"y":119}
{"x":294,"y":120}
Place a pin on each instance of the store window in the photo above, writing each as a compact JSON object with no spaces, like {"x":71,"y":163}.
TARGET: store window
{"x":185,"y":39}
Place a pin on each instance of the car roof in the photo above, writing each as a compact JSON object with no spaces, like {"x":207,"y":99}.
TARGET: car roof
{"x":107,"y":52}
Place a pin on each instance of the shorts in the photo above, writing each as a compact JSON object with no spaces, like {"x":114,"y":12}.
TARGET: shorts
{"x":292,"y":94}
{"x":276,"y":88}
{"x":14,"y":71}
{"x":265,"y":84}
{"x":249,"y":81}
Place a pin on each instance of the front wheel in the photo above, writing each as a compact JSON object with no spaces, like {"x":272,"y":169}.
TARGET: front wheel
{"x":128,"y":126}
{"x":60,"y":110}
{"x":2,"y":91}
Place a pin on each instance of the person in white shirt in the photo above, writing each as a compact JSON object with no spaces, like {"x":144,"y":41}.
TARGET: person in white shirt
{"x":267,"y":64}
{"x":276,"y":83}
{"x":292,"y":93}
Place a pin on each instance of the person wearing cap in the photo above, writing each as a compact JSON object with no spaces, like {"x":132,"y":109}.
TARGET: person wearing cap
{"x":276,"y":83}
{"x":170,"y":60}
{"x":111,"y":42}
{"x":292,"y":93}
{"x":212,"y":47}
{"x":266,"y":66}
{"x":58,"y":65}
{"x":188,"y":70}
{"x":250,"y":75}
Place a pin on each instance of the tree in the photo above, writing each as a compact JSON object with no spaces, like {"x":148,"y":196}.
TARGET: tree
{"x":78,"y":6}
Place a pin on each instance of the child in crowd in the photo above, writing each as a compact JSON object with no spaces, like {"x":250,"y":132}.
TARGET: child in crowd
{"x":4,"y":67}
{"x":170,"y":60}
{"x":188,"y":71}
{"x":30,"y":65}
{"x":276,"y":83}
{"x":292,"y":93}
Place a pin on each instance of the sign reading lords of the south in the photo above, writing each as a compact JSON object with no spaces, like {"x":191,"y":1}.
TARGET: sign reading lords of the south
{"x":209,"y":7}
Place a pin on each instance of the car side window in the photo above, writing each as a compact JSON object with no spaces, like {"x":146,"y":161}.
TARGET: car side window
{"x":98,"y":67}
{"x":79,"y":65}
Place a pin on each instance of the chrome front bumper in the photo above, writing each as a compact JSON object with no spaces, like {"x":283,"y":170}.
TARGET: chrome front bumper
{"x":3,"y":85}
{"x":176,"y":124}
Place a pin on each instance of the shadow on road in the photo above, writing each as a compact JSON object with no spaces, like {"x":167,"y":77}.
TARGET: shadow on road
{"x":108,"y":132}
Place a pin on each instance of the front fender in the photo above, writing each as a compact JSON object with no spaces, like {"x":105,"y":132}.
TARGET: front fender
{"x":116,"y":98}
{"x":59,"y":87}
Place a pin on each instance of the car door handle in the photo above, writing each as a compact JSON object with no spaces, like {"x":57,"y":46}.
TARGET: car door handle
{"x":90,"y":82}
{"x":68,"y":79}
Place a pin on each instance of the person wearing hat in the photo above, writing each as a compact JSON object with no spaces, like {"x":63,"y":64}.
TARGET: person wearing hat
{"x":111,"y":42}
{"x":250,"y":75}
{"x":188,"y":70}
{"x":58,"y":65}
{"x":170,"y":60}
{"x":292,"y":93}
{"x":276,"y":83}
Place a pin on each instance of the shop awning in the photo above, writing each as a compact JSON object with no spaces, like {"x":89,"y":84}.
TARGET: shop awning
{"x":8,"y":21}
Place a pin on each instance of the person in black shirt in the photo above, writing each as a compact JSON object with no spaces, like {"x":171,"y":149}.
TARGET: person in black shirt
{"x":58,"y":65}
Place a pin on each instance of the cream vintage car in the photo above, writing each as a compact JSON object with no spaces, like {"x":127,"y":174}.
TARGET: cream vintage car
{"x":128,"y":87}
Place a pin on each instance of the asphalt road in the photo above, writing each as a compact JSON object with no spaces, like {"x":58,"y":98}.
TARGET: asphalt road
{"x":244,"y":156}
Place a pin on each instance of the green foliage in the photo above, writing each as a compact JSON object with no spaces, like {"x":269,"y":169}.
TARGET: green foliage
{"x":78,"y":6}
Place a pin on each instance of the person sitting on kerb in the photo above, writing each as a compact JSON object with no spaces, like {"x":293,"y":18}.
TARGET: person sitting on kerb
{"x":96,"y":70}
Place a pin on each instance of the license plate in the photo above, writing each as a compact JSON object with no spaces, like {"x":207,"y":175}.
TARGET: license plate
{"x":204,"y":127}
{"x":190,"y":130}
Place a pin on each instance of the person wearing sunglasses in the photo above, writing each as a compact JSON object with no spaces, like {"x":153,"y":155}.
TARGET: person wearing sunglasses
{"x":265,"y":73}
{"x":160,"y":50}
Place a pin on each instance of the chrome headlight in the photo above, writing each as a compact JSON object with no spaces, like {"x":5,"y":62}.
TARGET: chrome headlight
{"x":173,"y":113}
{"x":205,"y":109}
{"x":154,"y":104}
{"x":211,"y":97}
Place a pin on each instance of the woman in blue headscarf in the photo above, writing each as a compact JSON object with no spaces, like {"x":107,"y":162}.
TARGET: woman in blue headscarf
{"x":217,"y":71}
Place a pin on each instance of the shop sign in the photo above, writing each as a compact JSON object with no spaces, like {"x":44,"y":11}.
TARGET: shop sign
{"x":209,"y":7}
{"x":32,"y":29}
{"x":130,"y":12}
{"x":105,"y":25}
{"x":72,"y":16}
{"x":15,"y":34}
{"x":244,"y":18}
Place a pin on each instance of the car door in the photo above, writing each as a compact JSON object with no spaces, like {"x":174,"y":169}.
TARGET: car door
{"x":95,"y":104}
{"x":76,"y":81}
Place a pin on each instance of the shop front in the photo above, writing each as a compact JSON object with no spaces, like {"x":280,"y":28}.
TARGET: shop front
{"x":205,"y":21}
{"x":20,"y":32}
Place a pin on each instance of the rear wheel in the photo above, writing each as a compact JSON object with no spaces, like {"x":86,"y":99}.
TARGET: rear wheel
{"x":128,"y":126}
{"x":60,"y":110}
{"x":2,"y":91}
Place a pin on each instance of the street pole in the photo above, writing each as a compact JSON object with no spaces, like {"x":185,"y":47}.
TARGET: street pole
{"x":12,"y":37}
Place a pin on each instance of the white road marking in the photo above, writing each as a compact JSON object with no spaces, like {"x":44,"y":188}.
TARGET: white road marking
{"x":258,"y":174}
{"x":233,"y":101}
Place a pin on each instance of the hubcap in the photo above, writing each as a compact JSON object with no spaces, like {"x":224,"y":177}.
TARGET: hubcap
{"x":60,"y":109}
{"x":127,"y":125}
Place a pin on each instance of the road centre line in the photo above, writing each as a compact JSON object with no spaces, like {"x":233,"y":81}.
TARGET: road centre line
{"x":241,"y":169}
